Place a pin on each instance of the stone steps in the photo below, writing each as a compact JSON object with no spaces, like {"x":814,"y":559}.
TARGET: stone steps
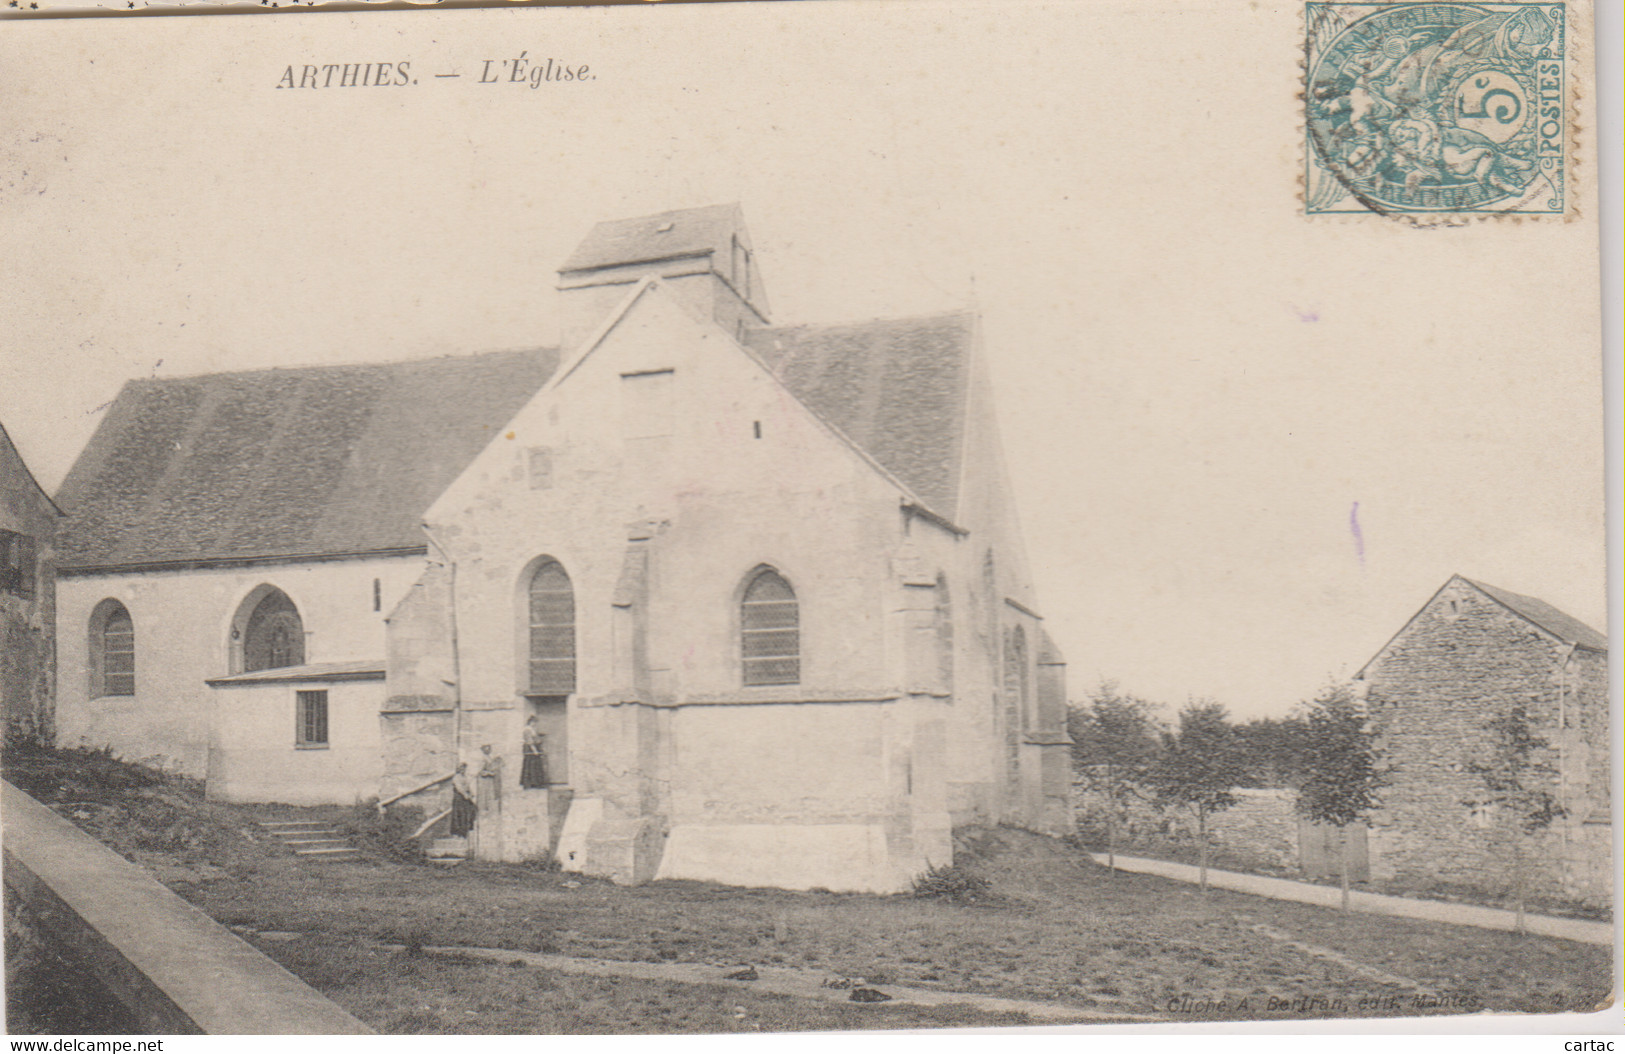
{"x":449,"y":851}
{"x":321,"y":841}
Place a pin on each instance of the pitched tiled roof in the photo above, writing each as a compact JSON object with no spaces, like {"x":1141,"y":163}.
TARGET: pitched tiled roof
{"x":681,"y":232}
{"x":1566,"y":628}
{"x":333,"y":460}
{"x":323,"y":460}
{"x":896,"y":387}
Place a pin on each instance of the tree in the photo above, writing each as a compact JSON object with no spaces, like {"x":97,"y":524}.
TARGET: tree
{"x":1198,"y":766}
{"x":1114,"y":744}
{"x":1274,"y":749}
{"x":1342,"y":768}
{"x":1516,"y":776}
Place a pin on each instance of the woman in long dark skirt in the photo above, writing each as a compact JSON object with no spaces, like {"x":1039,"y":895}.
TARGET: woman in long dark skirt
{"x":533,"y":767}
{"x":463,"y":808}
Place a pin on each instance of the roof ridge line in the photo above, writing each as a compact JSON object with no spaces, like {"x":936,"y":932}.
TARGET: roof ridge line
{"x":920,"y":317}
{"x":373,"y":364}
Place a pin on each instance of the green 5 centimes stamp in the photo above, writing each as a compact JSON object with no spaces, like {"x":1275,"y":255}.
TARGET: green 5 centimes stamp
{"x":1435,"y":108}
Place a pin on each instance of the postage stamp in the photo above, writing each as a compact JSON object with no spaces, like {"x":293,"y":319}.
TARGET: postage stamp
{"x":1435,"y":108}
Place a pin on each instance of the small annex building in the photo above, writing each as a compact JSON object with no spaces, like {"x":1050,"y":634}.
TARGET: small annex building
{"x":1467,"y":657}
{"x":692,"y":596}
{"x":28,"y":526}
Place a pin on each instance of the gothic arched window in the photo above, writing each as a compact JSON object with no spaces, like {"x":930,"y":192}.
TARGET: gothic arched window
{"x":770,"y":630}
{"x":275,"y":635}
{"x":552,"y":631}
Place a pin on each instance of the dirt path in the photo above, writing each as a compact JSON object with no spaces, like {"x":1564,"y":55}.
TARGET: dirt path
{"x":1373,"y":903}
{"x":779,"y":980}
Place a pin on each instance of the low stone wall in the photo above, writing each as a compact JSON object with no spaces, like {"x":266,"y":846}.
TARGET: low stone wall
{"x":48,"y":991}
{"x":1261,"y":828}
{"x":175,"y":969}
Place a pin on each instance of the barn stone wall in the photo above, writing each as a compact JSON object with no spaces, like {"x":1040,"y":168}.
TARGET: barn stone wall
{"x":27,"y":603}
{"x":1261,"y":828}
{"x":1464,"y":660}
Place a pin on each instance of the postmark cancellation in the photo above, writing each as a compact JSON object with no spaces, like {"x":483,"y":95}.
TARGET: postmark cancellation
{"x":1417,"y":109}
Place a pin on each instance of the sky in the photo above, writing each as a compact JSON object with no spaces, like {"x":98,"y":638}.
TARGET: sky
{"x":1246,"y":446}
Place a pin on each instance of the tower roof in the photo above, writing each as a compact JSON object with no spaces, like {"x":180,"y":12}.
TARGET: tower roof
{"x":663,"y":236}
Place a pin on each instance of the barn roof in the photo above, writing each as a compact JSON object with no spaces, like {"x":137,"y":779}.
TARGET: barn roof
{"x":1566,"y":628}
{"x":325,"y":460}
{"x":681,"y":232}
{"x":895,"y":387}
{"x":1542,"y":615}
{"x":16,"y":473}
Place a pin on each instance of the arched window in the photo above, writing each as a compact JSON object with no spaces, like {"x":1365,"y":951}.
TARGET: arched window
{"x":552,"y":631}
{"x":112,"y":650}
{"x":275,"y":636}
{"x":770,"y":630}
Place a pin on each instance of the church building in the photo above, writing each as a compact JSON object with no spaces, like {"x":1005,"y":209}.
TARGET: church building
{"x":694,"y":595}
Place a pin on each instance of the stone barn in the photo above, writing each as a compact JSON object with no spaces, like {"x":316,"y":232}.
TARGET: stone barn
{"x":1464,"y":659}
{"x":28,"y":526}
{"x":694,"y":595}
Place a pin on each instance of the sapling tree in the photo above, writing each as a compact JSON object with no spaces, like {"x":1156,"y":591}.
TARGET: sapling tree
{"x":1516,"y":775}
{"x":1341,"y":769}
{"x":1197,"y":768}
{"x":1114,"y":746}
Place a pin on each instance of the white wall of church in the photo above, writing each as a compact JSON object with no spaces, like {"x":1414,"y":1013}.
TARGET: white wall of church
{"x":182,"y":622}
{"x":254,"y":756}
{"x":720,"y":500}
{"x":721,"y":470}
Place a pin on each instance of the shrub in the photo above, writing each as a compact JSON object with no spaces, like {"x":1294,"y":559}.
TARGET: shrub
{"x":388,"y":835}
{"x":545,"y":862}
{"x":953,"y":883}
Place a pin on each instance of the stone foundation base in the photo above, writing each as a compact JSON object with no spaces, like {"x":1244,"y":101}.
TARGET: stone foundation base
{"x":842,"y":858}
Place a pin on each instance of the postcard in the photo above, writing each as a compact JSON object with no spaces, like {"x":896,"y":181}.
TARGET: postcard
{"x":779,"y":517}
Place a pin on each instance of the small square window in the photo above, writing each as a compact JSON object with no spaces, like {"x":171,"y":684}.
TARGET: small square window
{"x":311,"y":719}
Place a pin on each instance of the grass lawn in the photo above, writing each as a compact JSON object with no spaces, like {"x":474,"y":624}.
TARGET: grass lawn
{"x":1055,"y":927}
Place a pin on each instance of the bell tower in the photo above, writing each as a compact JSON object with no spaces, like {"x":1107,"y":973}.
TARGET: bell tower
{"x":702,"y":255}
